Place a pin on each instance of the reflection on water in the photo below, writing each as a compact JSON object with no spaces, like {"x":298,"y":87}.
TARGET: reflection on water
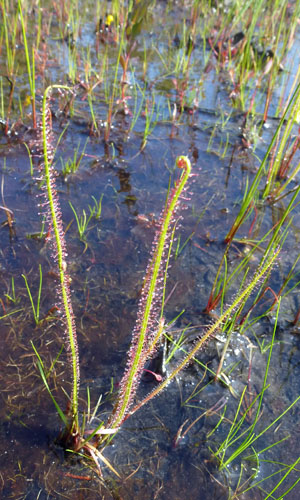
{"x":107,"y":270}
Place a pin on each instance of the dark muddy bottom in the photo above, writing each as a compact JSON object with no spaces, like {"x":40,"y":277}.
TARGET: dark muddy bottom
{"x":156,"y":453}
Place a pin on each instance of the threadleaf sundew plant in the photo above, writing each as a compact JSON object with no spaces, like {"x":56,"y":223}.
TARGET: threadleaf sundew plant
{"x":149,"y":324}
{"x":149,"y":327}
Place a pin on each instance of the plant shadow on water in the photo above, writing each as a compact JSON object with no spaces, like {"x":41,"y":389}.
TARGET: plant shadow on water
{"x":126,"y":140}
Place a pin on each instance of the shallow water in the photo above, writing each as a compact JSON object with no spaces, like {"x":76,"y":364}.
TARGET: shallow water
{"x":107,"y":270}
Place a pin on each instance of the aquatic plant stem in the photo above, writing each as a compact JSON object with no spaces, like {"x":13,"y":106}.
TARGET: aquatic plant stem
{"x":30,"y":65}
{"x":60,"y":256}
{"x":129,"y":381}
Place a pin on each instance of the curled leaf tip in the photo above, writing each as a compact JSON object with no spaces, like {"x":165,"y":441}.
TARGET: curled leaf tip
{"x":184,"y":163}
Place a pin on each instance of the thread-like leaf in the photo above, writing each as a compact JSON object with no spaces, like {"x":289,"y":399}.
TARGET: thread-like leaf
{"x":54,"y":216}
{"x":144,"y":333}
{"x":260,"y":273}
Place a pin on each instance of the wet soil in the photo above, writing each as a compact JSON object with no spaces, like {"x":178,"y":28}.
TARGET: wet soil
{"x":107,"y":270}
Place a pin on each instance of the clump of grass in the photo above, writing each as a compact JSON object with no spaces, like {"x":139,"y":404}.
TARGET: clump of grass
{"x":30,"y":65}
{"x":72,"y":164}
{"x":252,"y":193}
{"x":242,"y":438}
{"x":35,"y":309}
{"x":82,"y":221}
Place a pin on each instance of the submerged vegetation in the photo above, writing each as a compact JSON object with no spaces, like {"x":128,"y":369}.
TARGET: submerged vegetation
{"x":188,"y":109}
